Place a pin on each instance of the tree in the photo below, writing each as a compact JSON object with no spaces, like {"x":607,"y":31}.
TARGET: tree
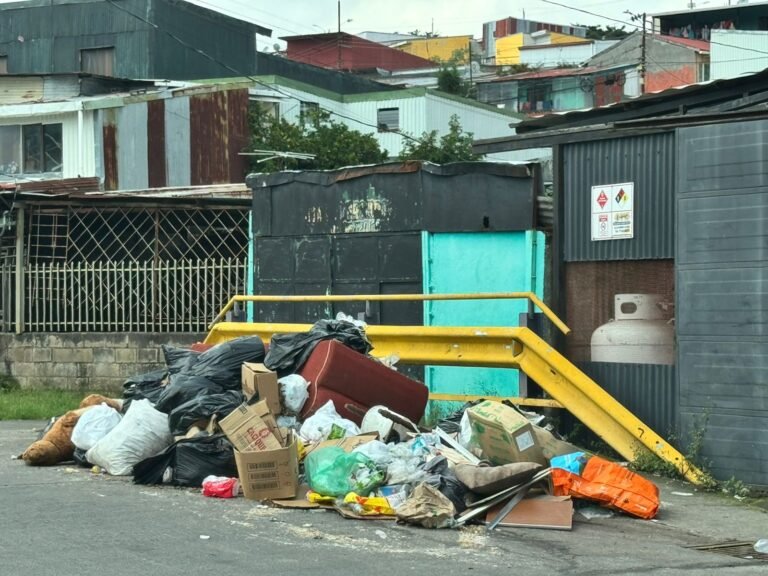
{"x":456,"y":146}
{"x":607,"y":33}
{"x":449,"y":78}
{"x":334,"y":144}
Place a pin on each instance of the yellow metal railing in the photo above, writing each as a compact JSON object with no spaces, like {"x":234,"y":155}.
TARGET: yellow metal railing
{"x":530,"y":296}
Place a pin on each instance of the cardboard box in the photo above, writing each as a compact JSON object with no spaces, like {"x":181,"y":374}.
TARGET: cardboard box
{"x":347,"y":444}
{"x":504,"y":434}
{"x":269,"y":474}
{"x":258,"y":379}
{"x":251,"y":428}
{"x":551,"y":446}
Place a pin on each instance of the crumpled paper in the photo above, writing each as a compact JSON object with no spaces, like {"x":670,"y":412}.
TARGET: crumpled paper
{"x":427,"y":507}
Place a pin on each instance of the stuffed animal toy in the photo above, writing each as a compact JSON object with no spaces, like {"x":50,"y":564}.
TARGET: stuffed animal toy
{"x":56,"y":446}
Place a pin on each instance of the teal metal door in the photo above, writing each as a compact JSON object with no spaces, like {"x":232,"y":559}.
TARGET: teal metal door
{"x":479,"y":262}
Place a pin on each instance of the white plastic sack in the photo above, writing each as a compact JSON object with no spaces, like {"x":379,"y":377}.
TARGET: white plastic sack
{"x":377,"y":451}
{"x":93,"y":425}
{"x":293,"y":393}
{"x":406,"y":465}
{"x":288,"y":422}
{"x":143,"y":432}
{"x":318,"y":426}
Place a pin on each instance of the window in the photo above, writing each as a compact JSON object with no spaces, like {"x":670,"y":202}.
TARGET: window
{"x":307,"y":110}
{"x":10,"y":150}
{"x":30,"y":149}
{"x":3,"y":64}
{"x":98,"y":61}
{"x":388,"y":119}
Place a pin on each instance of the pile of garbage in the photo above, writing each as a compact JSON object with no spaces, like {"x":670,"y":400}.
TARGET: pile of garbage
{"x":314,"y":421}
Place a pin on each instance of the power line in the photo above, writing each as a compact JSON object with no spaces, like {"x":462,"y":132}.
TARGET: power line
{"x":239,"y":73}
{"x":624,"y":22}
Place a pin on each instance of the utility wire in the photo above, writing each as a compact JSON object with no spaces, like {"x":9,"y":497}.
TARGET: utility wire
{"x":239,"y":73}
{"x":624,"y":22}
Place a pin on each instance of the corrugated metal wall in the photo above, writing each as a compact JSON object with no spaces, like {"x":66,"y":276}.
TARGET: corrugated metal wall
{"x":131,"y":123}
{"x":598,"y":270}
{"x":184,"y":140}
{"x":225,"y":40}
{"x":650,"y":391}
{"x":649,"y":162}
{"x":735,"y":52}
{"x":55,"y":33}
{"x":177,"y":160}
{"x":722,"y":278}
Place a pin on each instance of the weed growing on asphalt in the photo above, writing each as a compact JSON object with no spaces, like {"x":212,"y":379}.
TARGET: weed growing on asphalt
{"x":648,"y":462}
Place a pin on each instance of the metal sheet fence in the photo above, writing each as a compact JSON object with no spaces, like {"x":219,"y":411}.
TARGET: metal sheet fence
{"x":164,"y":296}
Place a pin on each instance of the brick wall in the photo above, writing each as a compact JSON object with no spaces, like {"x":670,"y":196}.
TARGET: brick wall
{"x":88,"y":361}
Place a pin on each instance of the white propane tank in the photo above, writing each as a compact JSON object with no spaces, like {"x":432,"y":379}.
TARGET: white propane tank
{"x":640,"y":334}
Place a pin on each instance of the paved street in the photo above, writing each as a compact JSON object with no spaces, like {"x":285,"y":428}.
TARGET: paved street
{"x":64,"y":520}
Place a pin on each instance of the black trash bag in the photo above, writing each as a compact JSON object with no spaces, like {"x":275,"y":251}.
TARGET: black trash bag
{"x":79,"y":458}
{"x":143,"y":386}
{"x":178,"y":359}
{"x":184,"y":387}
{"x":203,"y":407}
{"x":223,"y":363}
{"x":443,"y":478}
{"x":203,"y":456}
{"x":451,"y":424}
{"x":288,"y":352}
{"x":190,"y":460}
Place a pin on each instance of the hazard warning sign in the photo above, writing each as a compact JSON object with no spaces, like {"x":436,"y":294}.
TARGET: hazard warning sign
{"x":612,"y":207}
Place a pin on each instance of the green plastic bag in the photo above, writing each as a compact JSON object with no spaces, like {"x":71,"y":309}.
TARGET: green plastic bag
{"x":333,"y":472}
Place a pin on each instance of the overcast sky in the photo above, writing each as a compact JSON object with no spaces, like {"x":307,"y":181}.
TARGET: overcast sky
{"x":449,"y":17}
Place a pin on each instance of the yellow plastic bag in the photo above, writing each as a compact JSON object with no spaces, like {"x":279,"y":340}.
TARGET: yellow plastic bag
{"x":316,"y":498}
{"x":364,"y":506}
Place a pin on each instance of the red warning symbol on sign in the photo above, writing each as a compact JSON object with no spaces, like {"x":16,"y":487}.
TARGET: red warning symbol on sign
{"x":602,"y":199}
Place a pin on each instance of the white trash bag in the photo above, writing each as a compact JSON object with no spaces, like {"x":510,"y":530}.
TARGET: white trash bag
{"x":317,"y":427}
{"x":293,"y":393}
{"x":143,"y":432}
{"x":93,"y":425}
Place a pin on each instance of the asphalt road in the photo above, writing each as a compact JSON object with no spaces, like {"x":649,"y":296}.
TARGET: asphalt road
{"x":65,"y":520}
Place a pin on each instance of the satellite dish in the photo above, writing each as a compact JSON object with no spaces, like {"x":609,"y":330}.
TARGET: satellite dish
{"x":276,"y":47}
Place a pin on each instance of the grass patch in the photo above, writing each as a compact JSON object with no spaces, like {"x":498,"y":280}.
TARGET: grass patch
{"x":18,"y":404}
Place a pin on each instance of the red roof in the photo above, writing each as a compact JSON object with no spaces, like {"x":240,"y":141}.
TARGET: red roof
{"x":700,"y":45}
{"x":349,"y":52}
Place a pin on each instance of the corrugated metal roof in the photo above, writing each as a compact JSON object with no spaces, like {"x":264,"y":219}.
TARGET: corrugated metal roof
{"x":88,"y":189}
{"x":558,"y":72}
{"x":700,"y":45}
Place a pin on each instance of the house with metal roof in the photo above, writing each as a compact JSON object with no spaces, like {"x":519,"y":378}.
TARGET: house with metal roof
{"x":343,"y":51}
{"x":557,"y":90}
{"x":669,"y":60}
{"x":392,"y":116}
{"x":127,"y":39}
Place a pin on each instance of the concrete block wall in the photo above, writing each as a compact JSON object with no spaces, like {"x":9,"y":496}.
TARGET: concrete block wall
{"x":84,"y":361}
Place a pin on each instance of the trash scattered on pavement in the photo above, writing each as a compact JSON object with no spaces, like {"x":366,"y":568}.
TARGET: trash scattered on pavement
{"x":220,"y":487}
{"x":317,"y":424}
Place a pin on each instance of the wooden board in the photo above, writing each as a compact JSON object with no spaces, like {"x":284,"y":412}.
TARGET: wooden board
{"x":551,"y":512}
